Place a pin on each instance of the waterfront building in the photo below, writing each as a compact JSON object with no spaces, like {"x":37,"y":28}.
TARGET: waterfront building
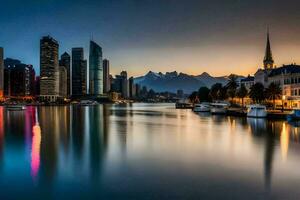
{"x":9,"y":63}
{"x":63,"y":81}
{"x":95,"y":70}
{"x":247,"y":82}
{"x":120,"y":84}
{"x":79,"y":72}
{"x":106,"y":76}
{"x":22,"y":80}
{"x":1,"y":73}
{"x":65,"y":60}
{"x":132,"y":88}
{"x":288,"y":78}
{"x":49,"y":69}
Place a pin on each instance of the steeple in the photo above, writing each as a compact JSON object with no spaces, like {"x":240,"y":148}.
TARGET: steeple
{"x":268,"y":60}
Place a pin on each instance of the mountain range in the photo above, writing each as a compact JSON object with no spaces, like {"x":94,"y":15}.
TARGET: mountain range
{"x":173,"y":81}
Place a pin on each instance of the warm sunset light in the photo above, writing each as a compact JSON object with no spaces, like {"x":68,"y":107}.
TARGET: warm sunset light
{"x":150,"y":99}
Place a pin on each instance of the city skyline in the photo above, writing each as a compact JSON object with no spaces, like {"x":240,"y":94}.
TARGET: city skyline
{"x":191,"y":37}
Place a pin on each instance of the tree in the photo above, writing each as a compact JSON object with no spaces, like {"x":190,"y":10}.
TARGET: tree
{"x":232,"y":86}
{"x":242,"y":93}
{"x":203,"y":94}
{"x":193,"y":97}
{"x":257,"y":93}
{"x":215,"y":91}
{"x":273,"y":92}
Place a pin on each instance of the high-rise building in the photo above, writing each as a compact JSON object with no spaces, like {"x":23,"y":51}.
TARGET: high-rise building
{"x":79,"y":72}
{"x":63,"y":79}
{"x":106,"y":77}
{"x":95,"y":69}
{"x":65,"y":60}
{"x":1,"y":73}
{"x":9,"y":63}
{"x":49,"y":69}
{"x":132,"y":88}
{"x":120,"y":84}
{"x":22,"y":80}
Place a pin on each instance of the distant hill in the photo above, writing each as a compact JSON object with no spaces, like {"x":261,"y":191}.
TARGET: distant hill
{"x":173,"y":81}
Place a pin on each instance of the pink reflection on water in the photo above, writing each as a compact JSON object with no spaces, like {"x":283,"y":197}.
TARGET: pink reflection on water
{"x":35,"y":148}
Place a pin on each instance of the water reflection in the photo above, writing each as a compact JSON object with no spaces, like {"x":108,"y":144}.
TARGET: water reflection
{"x":125,"y":149}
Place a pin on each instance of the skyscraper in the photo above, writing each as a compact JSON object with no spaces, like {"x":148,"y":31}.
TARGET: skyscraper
{"x":96,"y":69}
{"x":106,"y":77}
{"x":1,"y":73}
{"x":79,"y":72}
{"x":49,"y":69}
{"x":65,"y":60}
{"x":63,"y":78}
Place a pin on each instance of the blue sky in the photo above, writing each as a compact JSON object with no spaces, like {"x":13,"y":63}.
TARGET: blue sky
{"x":191,"y":36}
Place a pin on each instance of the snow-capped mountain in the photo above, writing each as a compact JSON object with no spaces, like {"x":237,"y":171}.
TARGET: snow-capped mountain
{"x":173,"y":81}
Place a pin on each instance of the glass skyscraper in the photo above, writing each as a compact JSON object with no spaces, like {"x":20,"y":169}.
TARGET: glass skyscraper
{"x":49,"y":69}
{"x":79,"y":74}
{"x":95,"y":69}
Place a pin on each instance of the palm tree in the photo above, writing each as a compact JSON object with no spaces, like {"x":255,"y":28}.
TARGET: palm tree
{"x":242,"y":93}
{"x":232,"y":86}
{"x":203,"y":94}
{"x":215,"y":91}
{"x":273,"y":92}
{"x":257,"y":92}
{"x":193,"y":97}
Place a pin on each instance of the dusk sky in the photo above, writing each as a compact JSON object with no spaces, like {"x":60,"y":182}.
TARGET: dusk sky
{"x":190,"y":36}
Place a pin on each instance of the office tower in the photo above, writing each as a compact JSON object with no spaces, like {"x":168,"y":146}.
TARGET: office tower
{"x":106,"y":77}
{"x":65,"y":60}
{"x":120,"y":84}
{"x":49,"y":69}
{"x":95,"y":69}
{"x":1,"y":73}
{"x":9,"y":63}
{"x":79,"y":74}
{"x":132,"y":89}
{"x":63,"y":79}
{"x":22,"y":80}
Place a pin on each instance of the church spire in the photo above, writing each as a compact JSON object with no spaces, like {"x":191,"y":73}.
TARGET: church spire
{"x":268,"y":60}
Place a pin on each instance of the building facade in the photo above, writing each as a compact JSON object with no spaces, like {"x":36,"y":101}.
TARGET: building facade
{"x":106,"y":76}
{"x":49,"y":69}
{"x":63,"y":81}
{"x":65,"y":60}
{"x":1,"y":72}
{"x":95,"y":70}
{"x":79,"y":72}
{"x":247,"y":82}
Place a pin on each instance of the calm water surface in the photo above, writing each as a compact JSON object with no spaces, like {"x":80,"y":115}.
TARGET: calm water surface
{"x":145,"y":151}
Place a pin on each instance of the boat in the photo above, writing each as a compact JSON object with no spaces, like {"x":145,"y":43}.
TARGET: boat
{"x":202,"y":107}
{"x":183,"y":104}
{"x":257,"y":111}
{"x":15,"y":108}
{"x":294,"y":116}
{"x":219,"y":108}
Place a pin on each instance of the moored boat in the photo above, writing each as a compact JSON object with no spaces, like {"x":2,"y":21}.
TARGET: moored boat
{"x":257,"y":111}
{"x":294,"y":116}
{"x":15,"y":107}
{"x":202,"y":107}
{"x":219,"y":108}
